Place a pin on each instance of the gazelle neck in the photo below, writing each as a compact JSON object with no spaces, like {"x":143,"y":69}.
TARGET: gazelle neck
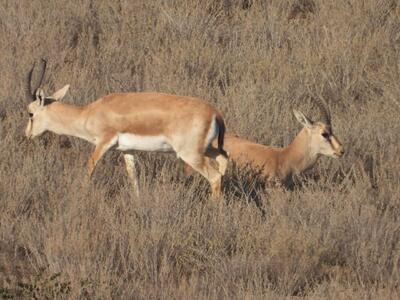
{"x":66,"y":119}
{"x":300,"y":155}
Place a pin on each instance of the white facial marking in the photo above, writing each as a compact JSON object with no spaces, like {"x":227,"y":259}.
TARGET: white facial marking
{"x":28,"y":130}
{"x":129,"y":141}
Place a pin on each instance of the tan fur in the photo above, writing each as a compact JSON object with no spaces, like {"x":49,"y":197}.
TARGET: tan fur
{"x":280,"y":163}
{"x":183,"y":121}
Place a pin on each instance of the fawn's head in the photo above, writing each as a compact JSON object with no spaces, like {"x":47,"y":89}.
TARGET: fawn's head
{"x":322,"y":140}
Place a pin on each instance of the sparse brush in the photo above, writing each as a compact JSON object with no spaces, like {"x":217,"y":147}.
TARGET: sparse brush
{"x":335,"y":235}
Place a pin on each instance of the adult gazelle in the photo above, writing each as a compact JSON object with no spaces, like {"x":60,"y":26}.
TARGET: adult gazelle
{"x":136,"y":121}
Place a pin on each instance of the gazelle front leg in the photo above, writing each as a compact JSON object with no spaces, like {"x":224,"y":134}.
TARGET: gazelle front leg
{"x":101,"y":148}
{"x":131,"y":169}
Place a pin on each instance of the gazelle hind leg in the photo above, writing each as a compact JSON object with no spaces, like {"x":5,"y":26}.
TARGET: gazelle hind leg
{"x":202,"y":165}
{"x":212,"y":153}
{"x":221,"y":159}
{"x":131,"y":169}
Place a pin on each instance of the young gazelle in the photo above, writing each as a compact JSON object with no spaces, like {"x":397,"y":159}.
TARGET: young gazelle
{"x":136,"y":121}
{"x":315,"y":139}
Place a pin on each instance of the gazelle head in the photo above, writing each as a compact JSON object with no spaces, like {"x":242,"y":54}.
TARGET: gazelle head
{"x":322,"y":140}
{"x":38,"y":106}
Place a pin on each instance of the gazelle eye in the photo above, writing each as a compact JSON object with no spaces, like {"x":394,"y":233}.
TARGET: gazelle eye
{"x":325,"y":135}
{"x":30,"y":115}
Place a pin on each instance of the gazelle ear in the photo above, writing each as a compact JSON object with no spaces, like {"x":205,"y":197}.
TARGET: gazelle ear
{"x":306,"y":122}
{"x":59,"y":94}
{"x":39,"y":95}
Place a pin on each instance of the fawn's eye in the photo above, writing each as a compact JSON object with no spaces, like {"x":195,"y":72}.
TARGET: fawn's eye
{"x":30,"y":115}
{"x":325,"y":135}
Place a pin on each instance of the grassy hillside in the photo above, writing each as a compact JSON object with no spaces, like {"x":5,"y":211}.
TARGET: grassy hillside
{"x":336,"y":235}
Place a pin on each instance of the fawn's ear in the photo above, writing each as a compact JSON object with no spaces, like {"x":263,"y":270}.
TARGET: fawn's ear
{"x":59,"y":94}
{"x":306,"y":122}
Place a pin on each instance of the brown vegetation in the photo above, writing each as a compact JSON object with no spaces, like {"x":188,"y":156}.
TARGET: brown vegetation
{"x":336,"y":235}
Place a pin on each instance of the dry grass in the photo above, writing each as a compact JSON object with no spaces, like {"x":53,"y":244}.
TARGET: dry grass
{"x":336,"y":235}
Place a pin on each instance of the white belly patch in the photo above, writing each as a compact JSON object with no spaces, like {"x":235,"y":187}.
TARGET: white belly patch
{"x":129,"y":141}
